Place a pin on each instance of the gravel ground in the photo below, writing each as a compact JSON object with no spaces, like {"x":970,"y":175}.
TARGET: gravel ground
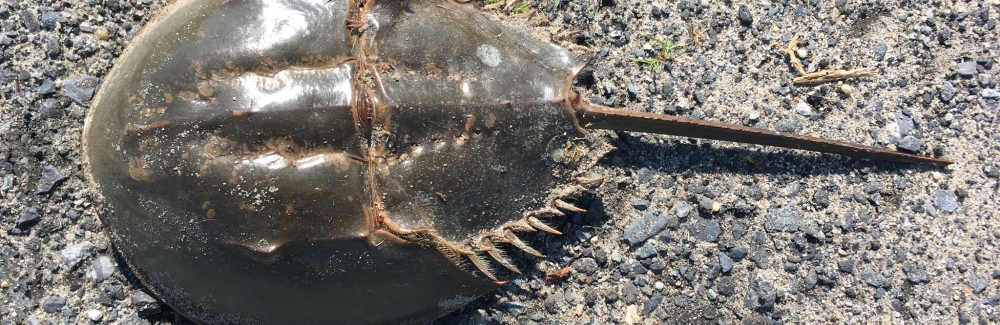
{"x":681,"y":230}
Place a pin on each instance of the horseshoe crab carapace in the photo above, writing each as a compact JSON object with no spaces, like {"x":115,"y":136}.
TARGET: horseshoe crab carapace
{"x":310,"y":161}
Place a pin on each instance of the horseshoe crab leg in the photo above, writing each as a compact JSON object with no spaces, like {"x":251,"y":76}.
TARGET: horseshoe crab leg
{"x":599,"y":117}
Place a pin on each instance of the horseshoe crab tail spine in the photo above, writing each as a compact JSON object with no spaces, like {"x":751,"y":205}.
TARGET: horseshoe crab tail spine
{"x":598,"y":117}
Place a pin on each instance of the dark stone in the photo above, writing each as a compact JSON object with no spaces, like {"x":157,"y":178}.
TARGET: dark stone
{"x":726,"y":286}
{"x":50,"y":20}
{"x":880,"y":49}
{"x":788,"y":125}
{"x":810,"y":280}
{"x":585,"y":265}
{"x":49,"y":179}
{"x":760,"y":293}
{"x":947,"y":91}
{"x":910,"y":144}
{"x":641,"y":205}
{"x":52,"y":47}
{"x":916,"y":274}
{"x":943,"y":35}
{"x":738,"y":253}
{"x":133,"y":319}
{"x":872,"y":188}
{"x":744,"y":15}
{"x":144,"y":303}
{"x":29,"y":20}
{"x":785,"y":218}
{"x":28,"y":218}
{"x":53,"y":305}
{"x":846,"y":266}
{"x":967,"y":69}
{"x":645,"y":227}
{"x":725,"y":263}
{"x":51,"y":108}
{"x":963,"y":318}
{"x":80,"y":88}
{"x":945,"y":200}
{"x":872,"y":278}
{"x":899,"y":182}
{"x":821,"y":198}
{"x":651,"y":304}
{"x":712,"y":231}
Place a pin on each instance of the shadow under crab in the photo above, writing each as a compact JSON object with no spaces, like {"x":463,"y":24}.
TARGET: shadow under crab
{"x":297,"y":161}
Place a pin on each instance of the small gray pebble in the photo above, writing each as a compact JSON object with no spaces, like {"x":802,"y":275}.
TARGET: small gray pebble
{"x":725,"y":262}
{"x":947,"y":91}
{"x":761,"y":294}
{"x":145,"y":303}
{"x":872,"y":278}
{"x":51,"y":108}
{"x":50,"y":19}
{"x":788,"y":125}
{"x":967,"y":69}
{"x":682,"y":209}
{"x":916,"y":274}
{"x":712,"y":231}
{"x":651,"y":304}
{"x":73,"y":255}
{"x":47,"y":88}
{"x":989,"y":93}
{"x":746,"y":18}
{"x":810,"y":280}
{"x":738,"y":253}
{"x":945,"y":200}
{"x":645,"y":227}
{"x":133,"y":319}
{"x":726,"y":286}
{"x":49,"y":179}
{"x":28,"y":218}
{"x":102,"y":268}
{"x":53,"y":304}
{"x":846,"y":266}
{"x":646,"y":251}
{"x":978,"y":284}
{"x":899,"y":182}
{"x":785,"y":218}
{"x":880,"y":50}
{"x":80,"y":88}
{"x":910,"y":144}
{"x":905,"y":124}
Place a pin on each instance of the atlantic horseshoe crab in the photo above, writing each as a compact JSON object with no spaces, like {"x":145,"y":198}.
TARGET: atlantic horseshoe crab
{"x":309,"y":161}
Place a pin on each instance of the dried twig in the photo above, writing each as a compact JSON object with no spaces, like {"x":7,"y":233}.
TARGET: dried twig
{"x":790,"y":50}
{"x":819,"y":76}
{"x":832,"y":75}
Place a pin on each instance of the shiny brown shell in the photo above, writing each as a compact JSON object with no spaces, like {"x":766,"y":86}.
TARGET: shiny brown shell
{"x":294,"y":161}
